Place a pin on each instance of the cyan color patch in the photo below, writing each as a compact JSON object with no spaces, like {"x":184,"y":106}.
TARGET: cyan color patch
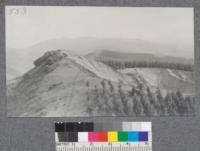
{"x":133,"y":136}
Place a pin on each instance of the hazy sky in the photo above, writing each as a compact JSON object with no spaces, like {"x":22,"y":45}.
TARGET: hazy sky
{"x":173,"y":26}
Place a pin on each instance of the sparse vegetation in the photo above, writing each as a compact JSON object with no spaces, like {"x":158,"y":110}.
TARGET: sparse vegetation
{"x":53,"y":86}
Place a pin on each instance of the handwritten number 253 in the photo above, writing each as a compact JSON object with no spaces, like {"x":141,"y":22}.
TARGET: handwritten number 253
{"x":17,"y":11}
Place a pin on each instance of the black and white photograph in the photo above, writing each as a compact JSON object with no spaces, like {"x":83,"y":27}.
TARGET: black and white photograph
{"x":64,"y":61}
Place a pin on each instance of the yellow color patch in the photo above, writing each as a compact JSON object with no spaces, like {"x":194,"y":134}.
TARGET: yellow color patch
{"x":112,"y":136}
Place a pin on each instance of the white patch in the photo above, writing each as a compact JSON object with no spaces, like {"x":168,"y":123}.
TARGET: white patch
{"x":173,"y":74}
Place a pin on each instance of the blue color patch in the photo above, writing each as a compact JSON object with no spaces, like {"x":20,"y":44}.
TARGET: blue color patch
{"x":133,"y":136}
{"x":143,"y":136}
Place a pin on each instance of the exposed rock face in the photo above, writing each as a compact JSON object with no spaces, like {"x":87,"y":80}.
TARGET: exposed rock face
{"x":50,"y":57}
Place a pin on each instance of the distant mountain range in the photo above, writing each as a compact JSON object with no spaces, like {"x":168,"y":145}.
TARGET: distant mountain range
{"x":85,"y":45}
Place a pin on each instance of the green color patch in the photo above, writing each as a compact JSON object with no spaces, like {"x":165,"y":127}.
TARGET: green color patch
{"x":122,"y":136}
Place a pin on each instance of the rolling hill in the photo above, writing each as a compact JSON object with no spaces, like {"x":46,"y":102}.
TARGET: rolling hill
{"x":137,"y":57}
{"x":62,"y":83}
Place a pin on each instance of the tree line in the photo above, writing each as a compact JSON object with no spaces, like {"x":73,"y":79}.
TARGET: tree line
{"x":145,"y":64}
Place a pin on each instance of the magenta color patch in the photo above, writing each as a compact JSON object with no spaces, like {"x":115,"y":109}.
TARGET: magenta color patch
{"x":92,"y":136}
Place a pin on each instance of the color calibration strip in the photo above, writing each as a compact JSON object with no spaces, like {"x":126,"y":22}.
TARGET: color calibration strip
{"x":90,"y":135}
{"x":110,"y":136}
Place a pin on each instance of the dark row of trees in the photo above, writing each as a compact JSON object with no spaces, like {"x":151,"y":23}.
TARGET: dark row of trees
{"x":110,"y":100}
{"x":143,"y":64}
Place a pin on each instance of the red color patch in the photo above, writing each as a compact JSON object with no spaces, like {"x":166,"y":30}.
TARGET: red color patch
{"x":102,"y":137}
